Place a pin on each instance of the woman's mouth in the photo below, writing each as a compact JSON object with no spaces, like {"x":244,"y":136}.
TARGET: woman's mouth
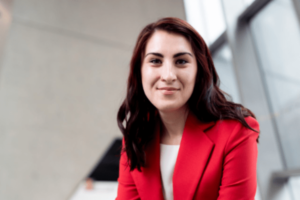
{"x":168,"y":90}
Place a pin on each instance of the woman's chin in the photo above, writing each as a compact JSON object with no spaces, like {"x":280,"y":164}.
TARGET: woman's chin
{"x":169,"y":108}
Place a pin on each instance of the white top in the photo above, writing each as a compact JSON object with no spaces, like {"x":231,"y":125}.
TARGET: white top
{"x":168,"y":155}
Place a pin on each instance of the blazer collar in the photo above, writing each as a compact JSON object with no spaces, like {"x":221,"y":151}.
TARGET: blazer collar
{"x":193,"y":156}
{"x":194,"y":153}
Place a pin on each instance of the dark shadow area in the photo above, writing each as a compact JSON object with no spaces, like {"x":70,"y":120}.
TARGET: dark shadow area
{"x":107,"y":169}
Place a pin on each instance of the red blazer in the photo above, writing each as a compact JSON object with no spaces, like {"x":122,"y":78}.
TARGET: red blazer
{"x":215,"y":161}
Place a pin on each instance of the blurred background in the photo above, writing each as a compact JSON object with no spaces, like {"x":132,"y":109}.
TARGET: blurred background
{"x":63,"y":71}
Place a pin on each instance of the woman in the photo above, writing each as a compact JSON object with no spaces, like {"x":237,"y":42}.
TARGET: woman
{"x":182,"y":138}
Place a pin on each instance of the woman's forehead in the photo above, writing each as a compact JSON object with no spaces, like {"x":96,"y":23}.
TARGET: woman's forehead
{"x":167,"y":43}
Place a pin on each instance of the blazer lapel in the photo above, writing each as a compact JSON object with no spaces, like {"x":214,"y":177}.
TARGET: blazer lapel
{"x":193,"y":156}
{"x":149,"y":180}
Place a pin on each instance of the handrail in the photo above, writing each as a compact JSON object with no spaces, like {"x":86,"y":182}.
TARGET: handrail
{"x":285,"y":175}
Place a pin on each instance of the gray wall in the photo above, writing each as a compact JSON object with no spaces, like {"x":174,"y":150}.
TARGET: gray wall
{"x":63,"y":76}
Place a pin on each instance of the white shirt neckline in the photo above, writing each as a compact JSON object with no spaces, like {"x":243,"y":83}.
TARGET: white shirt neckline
{"x":168,"y":156}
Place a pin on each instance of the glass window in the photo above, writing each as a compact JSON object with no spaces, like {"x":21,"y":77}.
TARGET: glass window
{"x":295,"y":185}
{"x":248,"y":2}
{"x":223,"y":64}
{"x":194,"y":16}
{"x":276,"y":35}
{"x":206,"y":16}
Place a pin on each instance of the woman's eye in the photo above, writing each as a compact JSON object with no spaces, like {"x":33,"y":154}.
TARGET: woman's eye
{"x":181,"y":62}
{"x":155,"y":61}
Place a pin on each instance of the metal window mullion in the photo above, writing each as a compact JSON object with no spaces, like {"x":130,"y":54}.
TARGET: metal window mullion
{"x":297,"y":9}
{"x":252,"y":9}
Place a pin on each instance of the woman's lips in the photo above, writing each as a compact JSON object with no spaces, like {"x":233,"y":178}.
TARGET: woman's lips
{"x":168,"y":90}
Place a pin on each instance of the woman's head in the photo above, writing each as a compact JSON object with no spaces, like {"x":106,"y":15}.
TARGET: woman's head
{"x":168,"y":71}
{"x":170,"y":68}
{"x":198,"y":72}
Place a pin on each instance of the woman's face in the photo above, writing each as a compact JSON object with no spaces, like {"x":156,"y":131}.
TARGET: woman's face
{"x":168,"y":71}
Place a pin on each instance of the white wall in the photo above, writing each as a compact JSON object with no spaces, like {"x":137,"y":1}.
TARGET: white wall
{"x":63,"y":76}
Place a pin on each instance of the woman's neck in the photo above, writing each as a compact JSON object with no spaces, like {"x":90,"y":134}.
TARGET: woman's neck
{"x":172,"y":125}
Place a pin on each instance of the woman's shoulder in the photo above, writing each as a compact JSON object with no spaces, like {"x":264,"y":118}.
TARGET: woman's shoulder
{"x":230,"y":130}
{"x":233,"y":124}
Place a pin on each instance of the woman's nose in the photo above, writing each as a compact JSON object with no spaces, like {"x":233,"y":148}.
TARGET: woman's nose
{"x":168,"y":73}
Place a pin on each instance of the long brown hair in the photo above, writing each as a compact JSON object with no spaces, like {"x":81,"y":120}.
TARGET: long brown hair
{"x":136,"y":117}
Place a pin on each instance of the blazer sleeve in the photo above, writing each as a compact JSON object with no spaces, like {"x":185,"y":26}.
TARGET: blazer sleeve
{"x":126,"y":188}
{"x":239,"y":166}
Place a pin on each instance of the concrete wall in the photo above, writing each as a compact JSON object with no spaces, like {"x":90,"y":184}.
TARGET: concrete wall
{"x":63,"y":76}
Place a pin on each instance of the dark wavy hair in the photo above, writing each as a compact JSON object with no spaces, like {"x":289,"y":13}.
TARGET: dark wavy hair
{"x":137,"y":116}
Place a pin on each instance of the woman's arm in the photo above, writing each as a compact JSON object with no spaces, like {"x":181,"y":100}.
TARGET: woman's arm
{"x":126,"y":188}
{"x":239,"y":167}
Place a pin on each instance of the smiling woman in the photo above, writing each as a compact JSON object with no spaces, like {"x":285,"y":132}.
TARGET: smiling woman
{"x":182,"y":138}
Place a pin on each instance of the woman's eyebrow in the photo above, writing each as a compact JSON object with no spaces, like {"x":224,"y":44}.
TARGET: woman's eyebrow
{"x":182,"y":53}
{"x":156,"y":54}
{"x":176,"y":55}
